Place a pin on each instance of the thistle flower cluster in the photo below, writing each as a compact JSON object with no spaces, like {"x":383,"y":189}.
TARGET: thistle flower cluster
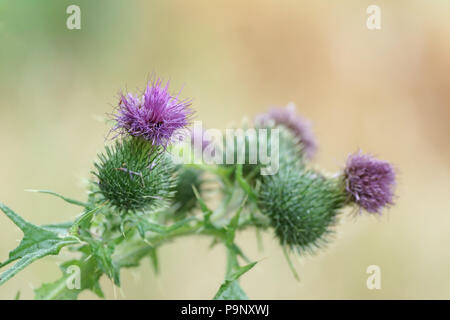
{"x":137,"y":174}
{"x":303,"y":204}
{"x":140,"y":199}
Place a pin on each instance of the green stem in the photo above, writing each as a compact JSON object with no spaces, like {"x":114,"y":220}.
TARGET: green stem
{"x":133,"y":245}
{"x":136,"y":246}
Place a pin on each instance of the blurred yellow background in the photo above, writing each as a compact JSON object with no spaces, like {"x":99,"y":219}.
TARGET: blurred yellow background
{"x":385,"y":91}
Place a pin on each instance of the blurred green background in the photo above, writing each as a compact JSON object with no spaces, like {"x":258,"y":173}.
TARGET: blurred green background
{"x":385,"y":91}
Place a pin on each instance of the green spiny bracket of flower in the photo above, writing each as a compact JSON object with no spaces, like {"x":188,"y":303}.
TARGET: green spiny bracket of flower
{"x":140,"y":199}
{"x":303,"y":207}
{"x":133,"y":175}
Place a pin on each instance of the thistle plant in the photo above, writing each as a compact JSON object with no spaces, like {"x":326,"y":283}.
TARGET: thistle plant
{"x":140,"y":197}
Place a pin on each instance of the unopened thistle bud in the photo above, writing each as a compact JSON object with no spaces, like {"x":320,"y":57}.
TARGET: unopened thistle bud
{"x":369,"y":182}
{"x":302,"y":206}
{"x":134,"y":176}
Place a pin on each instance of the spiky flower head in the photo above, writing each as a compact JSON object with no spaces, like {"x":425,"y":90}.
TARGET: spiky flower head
{"x":300,"y":126}
{"x":302,"y":207}
{"x":370,"y":182}
{"x":154,"y":115}
{"x":134,"y":176}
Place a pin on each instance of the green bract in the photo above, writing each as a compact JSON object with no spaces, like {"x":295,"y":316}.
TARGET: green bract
{"x":302,"y":206}
{"x":135,"y":176}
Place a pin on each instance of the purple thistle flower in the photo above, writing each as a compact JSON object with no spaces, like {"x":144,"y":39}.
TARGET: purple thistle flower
{"x":154,"y":116}
{"x":300,"y":126}
{"x":369,"y":181}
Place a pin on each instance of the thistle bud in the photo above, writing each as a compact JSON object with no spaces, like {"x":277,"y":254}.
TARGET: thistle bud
{"x":133,"y":175}
{"x":302,"y":206}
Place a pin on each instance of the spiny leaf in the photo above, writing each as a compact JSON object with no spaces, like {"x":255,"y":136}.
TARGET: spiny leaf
{"x":71,"y":201}
{"x":236,"y":275}
{"x":144,"y":225}
{"x":233,"y":251}
{"x":232,"y":226}
{"x":71,"y":227}
{"x":205,"y":209}
{"x":238,"y":251}
{"x":83,"y":219}
{"x":103,"y":255}
{"x":37,"y":243}
{"x":66,"y":288}
{"x":244,"y":184}
{"x":232,"y":262}
{"x":230,"y":289}
{"x":129,"y":253}
{"x":60,"y":228}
